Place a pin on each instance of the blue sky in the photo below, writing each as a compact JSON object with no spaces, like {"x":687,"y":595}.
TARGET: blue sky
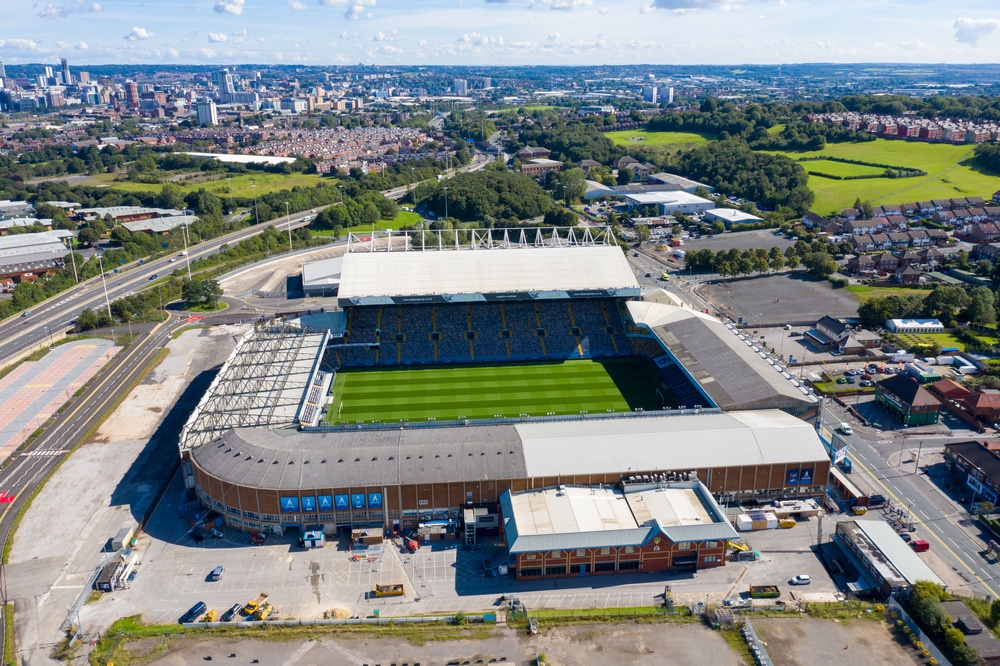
{"x":496,"y":32}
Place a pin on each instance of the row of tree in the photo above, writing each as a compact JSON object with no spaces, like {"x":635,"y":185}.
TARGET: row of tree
{"x":947,"y":303}
{"x":733,"y":262}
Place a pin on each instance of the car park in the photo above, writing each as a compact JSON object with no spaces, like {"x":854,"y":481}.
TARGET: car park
{"x":801,"y":579}
{"x":194,"y":613}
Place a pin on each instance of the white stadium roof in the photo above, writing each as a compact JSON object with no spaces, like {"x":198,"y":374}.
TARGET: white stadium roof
{"x":408,"y":274}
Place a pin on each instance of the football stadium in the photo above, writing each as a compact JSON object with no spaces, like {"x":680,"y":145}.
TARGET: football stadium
{"x":511,"y":382}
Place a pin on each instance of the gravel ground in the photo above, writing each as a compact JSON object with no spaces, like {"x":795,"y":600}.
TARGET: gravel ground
{"x":597,"y":645}
{"x":779,"y":299}
{"x":807,"y":641}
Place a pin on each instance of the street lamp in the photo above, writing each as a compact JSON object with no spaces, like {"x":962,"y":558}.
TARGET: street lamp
{"x":187,"y":255}
{"x":288,"y":224}
{"x":446,"y":202}
{"x":104,"y":280}
{"x":256,"y":213}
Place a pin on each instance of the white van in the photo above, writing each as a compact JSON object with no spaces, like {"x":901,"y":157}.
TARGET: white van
{"x":846,"y":429}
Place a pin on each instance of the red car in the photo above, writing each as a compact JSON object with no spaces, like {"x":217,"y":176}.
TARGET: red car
{"x":258,"y":538}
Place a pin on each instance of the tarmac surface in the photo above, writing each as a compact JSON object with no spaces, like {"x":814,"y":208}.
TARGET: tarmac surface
{"x":34,"y":390}
{"x":779,"y":299}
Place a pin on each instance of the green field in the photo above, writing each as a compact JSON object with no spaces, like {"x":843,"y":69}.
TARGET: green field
{"x":403,"y":218}
{"x":485,"y":391}
{"x":950,"y":173}
{"x":865,"y":293}
{"x":629,"y":138}
{"x":242,"y":185}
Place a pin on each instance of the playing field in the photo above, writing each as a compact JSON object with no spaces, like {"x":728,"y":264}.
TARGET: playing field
{"x":639,"y":137}
{"x":950,"y":173}
{"x":486,"y":391}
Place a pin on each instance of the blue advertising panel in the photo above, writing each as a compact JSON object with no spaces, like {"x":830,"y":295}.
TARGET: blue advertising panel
{"x":289,"y":504}
{"x":357,"y":500}
{"x":309,"y":504}
{"x":326,"y":502}
{"x":792,"y":479}
{"x":805,"y":477}
{"x":342,"y":502}
{"x":374,"y":500}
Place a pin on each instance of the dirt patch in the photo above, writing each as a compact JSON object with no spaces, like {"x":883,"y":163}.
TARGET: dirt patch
{"x":806,"y":641}
{"x":336,"y":614}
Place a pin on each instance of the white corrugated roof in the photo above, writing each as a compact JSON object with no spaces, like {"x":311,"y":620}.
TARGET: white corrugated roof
{"x":692,"y":441}
{"x":389,"y":274}
{"x":898,"y":552}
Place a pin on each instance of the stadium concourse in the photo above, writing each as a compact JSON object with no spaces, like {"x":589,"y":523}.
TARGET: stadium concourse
{"x":269,"y":450}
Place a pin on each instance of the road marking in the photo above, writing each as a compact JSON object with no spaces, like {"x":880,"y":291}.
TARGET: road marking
{"x":919,"y":522}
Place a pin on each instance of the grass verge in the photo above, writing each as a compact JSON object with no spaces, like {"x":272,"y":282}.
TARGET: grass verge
{"x":734,"y":639}
{"x":9,"y":645}
{"x":113,"y":646}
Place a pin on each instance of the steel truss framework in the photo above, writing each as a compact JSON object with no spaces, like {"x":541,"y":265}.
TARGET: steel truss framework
{"x":478,"y":239}
{"x":261,"y":385}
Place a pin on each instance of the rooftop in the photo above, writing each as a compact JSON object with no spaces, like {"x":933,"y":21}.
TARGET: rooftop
{"x":468,"y":275}
{"x":893,"y":558}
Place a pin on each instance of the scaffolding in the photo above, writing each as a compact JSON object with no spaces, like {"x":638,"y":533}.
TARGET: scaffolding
{"x":427,"y":239}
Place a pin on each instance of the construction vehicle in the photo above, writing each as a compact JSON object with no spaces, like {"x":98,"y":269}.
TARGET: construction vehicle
{"x":739,"y":546}
{"x":264,"y":611}
{"x":254,"y":604}
{"x":395,"y":590}
{"x":209,"y":616}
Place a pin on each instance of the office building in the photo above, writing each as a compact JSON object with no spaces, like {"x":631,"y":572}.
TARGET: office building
{"x":132,"y":94}
{"x":83,"y":78}
{"x":3,"y":72}
{"x":207,"y":113}
{"x":67,"y":79}
{"x":226,"y":86}
{"x":460,"y":86}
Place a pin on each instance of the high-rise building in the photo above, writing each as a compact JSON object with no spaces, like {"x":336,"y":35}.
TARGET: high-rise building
{"x":487,"y":83}
{"x":83,"y":78}
{"x":650,"y":94}
{"x":132,"y":94}
{"x":207,"y":113}
{"x":670,"y":95}
{"x":3,"y":72}
{"x":48,"y":72}
{"x":67,"y":78}
{"x":226,"y":86}
{"x":460,"y":86}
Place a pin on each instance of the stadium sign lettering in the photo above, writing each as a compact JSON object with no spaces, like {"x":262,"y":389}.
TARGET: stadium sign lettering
{"x":289,"y":505}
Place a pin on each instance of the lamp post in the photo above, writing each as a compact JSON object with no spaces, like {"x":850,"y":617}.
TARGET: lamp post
{"x":104,"y":281}
{"x":446,"y":202}
{"x":975,"y":490}
{"x":916,"y":463}
{"x":288,"y":225}
{"x":256,"y":213}
{"x":187,"y":256}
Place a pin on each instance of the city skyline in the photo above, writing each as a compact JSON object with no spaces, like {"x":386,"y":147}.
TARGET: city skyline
{"x":500,"y":32}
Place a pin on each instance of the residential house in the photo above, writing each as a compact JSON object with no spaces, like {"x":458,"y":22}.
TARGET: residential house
{"x":899,"y":239}
{"x":895,"y":222}
{"x":850,"y":214}
{"x":908,"y":277}
{"x":910,"y":209}
{"x":943,"y":217}
{"x":829,"y":333}
{"x":978,"y":215}
{"x":811,"y":219}
{"x":996,"y":196}
{"x":989,"y":251}
{"x":908,"y":401}
{"x":992,"y":212}
{"x":638,"y":169}
{"x":882,"y":241}
{"x":941,"y":204}
{"x":977,"y":464}
{"x":587,"y":165}
{"x":926,"y":207}
{"x":888,"y":210}
{"x":984,"y":405}
{"x":886,"y":262}
{"x":961,"y":215}
{"x":987,"y":232}
{"x":959,"y":202}
{"x":833,"y":227}
{"x":918,"y":237}
{"x":975,"y":201}
{"x":937,"y":236}
{"x":862,"y":264}
{"x":908,"y":258}
{"x":855,"y":227}
{"x":931,"y":257}
{"x":862,"y":243}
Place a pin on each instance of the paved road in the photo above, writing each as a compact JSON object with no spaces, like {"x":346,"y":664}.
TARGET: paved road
{"x":879,"y":465}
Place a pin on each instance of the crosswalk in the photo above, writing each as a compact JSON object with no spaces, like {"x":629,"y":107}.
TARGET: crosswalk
{"x":46,"y":452}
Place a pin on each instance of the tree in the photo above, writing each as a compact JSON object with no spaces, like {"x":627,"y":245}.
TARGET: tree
{"x":211,"y":291}
{"x":980,"y":309}
{"x":574,"y":184}
{"x":193,"y":291}
{"x":624,"y":177}
{"x":775,"y":260}
{"x":819,"y":264}
{"x":89,"y":236}
{"x":642,"y":232}
{"x":944,"y":302}
{"x":86,"y":320}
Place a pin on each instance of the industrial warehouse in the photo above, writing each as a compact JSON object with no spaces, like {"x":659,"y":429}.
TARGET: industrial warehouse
{"x":267,"y":450}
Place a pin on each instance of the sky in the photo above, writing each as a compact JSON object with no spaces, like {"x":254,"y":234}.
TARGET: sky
{"x":499,"y":32}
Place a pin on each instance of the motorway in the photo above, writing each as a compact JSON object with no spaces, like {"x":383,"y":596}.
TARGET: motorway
{"x":19,"y":334}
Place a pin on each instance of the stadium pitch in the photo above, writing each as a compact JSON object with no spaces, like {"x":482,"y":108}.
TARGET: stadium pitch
{"x":487,"y":391}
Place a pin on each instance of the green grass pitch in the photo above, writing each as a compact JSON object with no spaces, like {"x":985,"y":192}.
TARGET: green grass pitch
{"x":485,"y":391}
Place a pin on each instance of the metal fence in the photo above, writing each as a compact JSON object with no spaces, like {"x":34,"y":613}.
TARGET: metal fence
{"x":894,"y":607}
{"x":760,"y":654}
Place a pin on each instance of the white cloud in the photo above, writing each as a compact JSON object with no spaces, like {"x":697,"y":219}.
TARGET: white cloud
{"x":355,"y":9}
{"x":382,"y":37}
{"x":217,"y":37}
{"x":297,"y":5}
{"x":239,"y":33}
{"x":422,"y":42}
{"x":970,"y":30}
{"x":568,"y":5}
{"x":645,"y":9}
{"x":82,"y":46}
{"x":53,"y":11}
{"x":19,"y":44}
{"x":553,"y":37}
{"x":479,"y":39}
{"x":914,"y":45}
{"x":390,"y":50}
{"x":234,"y":7}
{"x":138,"y":34}
{"x":208,"y":54}
{"x":604,"y":10}
{"x":174,"y":53}
{"x":685,"y":6}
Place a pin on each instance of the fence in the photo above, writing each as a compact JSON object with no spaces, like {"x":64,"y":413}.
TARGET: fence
{"x":435,"y":423}
{"x":377,"y":620}
{"x":760,"y":654}
{"x":896,"y":612}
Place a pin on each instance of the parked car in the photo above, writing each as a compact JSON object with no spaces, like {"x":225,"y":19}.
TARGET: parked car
{"x":841,"y":380}
{"x":233,"y":611}
{"x":794,"y":334}
{"x":217,"y":572}
{"x":801,"y":579}
{"x":905,"y":537}
{"x":850,"y":380}
{"x":194,"y":613}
